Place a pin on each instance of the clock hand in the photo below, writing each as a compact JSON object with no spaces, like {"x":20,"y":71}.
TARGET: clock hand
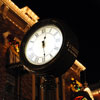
{"x":43,"y":45}
{"x":43,"y":42}
{"x":45,"y":37}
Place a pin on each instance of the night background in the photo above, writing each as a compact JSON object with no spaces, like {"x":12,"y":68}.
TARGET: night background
{"x":83,"y":17}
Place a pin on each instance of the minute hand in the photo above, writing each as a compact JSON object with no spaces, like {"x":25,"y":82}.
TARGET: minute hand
{"x":43,"y":46}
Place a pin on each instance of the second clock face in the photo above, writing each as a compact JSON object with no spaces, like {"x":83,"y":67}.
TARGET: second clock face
{"x":43,"y":45}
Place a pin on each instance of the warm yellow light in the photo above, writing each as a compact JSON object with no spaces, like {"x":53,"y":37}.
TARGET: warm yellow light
{"x":82,"y":67}
{"x":89,"y":92}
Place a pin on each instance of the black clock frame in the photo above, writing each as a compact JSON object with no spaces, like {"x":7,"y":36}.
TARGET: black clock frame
{"x":65,"y":57}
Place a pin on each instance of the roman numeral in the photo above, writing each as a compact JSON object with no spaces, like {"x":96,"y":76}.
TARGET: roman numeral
{"x":36,"y":34}
{"x":32,"y":41}
{"x":56,"y":48}
{"x":43,"y":30}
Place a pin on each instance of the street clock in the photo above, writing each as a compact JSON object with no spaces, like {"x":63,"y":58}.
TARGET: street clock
{"x":49,"y":47}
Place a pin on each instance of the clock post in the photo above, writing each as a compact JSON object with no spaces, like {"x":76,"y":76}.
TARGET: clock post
{"x":49,"y":88}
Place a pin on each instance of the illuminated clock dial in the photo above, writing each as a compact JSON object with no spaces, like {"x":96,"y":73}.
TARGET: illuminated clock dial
{"x":43,"y":45}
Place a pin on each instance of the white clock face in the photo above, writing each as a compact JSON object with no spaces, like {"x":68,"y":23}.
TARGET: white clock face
{"x":43,"y":45}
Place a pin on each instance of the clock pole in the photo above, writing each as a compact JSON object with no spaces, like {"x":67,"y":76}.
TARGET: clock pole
{"x":49,"y":87}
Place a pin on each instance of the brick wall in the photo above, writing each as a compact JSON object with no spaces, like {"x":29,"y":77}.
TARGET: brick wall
{"x":2,"y":72}
{"x":26,"y":84}
{"x":2,"y":79}
{"x":9,"y":83}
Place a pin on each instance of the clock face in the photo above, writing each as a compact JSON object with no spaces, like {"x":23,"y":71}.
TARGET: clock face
{"x":43,"y":45}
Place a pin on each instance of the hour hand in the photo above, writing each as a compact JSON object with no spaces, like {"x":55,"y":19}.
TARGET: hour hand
{"x":43,"y":44}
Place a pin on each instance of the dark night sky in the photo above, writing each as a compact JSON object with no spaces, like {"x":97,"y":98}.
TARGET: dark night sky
{"x":83,"y":17}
